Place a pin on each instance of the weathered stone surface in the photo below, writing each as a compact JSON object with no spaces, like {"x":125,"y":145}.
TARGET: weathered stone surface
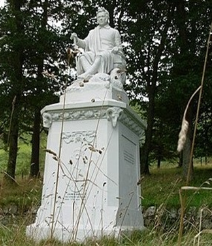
{"x":159,"y":218}
{"x":10,"y":209}
{"x":164,"y":219}
{"x":150,"y":212}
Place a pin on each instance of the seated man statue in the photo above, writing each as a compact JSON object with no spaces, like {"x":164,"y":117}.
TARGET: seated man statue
{"x":102,"y":48}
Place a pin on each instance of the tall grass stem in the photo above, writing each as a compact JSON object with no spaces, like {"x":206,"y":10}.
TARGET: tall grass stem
{"x":198,"y":107}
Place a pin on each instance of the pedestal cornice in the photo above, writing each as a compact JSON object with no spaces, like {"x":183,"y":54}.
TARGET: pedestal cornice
{"x":111,"y":110}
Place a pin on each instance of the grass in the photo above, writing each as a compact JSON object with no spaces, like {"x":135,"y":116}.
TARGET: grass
{"x":24,"y":195}
{"x":24,"y":155}
{"x":27,"y":192}
{"x":23,"y":160}
{"x":15,"y":235}
{"x":161,"y":187}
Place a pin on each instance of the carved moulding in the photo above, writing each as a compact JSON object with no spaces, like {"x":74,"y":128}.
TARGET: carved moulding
{"x":80,"y":114}
{"x":133,"y":124}
{"x":47,"y":120}
{"x":79,"y":136}
{"x":113,"y":114}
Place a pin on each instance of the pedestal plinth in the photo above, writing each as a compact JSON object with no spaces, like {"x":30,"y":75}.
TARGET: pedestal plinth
{"x":92,"y":166}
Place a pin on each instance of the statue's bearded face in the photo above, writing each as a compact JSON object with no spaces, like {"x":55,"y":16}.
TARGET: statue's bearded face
{"x":102,"y":18}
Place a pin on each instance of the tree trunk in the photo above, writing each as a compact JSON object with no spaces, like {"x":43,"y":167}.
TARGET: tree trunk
{"x":13,"y":150}
{"x":180,"y":163}
{"x":182,"y":71}
{"x":13,"y":141}
{"x":187,"y":147}
{"x":186,"y":160}
{"x":159,"y":156}
{"x":17,"y":85}
{"x":144,"y":157}
{"x":152,"y":87}
{"x":159,"y":162}
{"x":34,"y":167}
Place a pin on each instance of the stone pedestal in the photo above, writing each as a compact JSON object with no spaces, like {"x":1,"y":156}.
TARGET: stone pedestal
{"x":92,"y":165}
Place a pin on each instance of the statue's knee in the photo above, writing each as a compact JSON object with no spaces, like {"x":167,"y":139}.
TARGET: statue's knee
{"x":98,"y":58}
{"x":81,"y":58}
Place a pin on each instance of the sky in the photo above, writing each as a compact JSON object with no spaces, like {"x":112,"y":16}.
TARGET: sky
{"x":1,"y":3}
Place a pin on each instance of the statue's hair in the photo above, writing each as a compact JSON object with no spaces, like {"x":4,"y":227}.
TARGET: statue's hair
{"x":102,"y":9}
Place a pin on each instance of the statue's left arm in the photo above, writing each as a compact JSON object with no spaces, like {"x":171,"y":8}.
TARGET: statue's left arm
{"x":118,"y":46}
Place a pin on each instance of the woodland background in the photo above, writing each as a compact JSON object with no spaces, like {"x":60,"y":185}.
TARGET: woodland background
{"x":165,"y":45}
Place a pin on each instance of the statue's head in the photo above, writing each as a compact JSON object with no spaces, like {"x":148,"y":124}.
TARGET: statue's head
{"x":104,"y":11}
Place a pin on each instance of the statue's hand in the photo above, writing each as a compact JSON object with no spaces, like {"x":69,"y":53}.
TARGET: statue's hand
{"x":115,"y":50}
{"x":74,"y":36}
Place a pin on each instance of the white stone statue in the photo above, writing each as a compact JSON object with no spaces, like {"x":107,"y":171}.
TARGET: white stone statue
{"x":93,"y":140}
{"x":102,"y":49}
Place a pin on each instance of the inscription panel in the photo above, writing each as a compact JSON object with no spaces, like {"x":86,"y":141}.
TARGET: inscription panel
{"x":129,"y":157}
{"x":81,"y":166}
{"x":128,"y":177}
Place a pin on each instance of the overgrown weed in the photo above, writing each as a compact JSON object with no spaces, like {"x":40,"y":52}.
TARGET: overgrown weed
{"x":25,"y":193}
{"x":16,"y":236}
{"x":160,"y":188}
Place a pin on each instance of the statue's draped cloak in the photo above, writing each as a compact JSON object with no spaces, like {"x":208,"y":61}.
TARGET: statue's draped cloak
{"x":100,"y":41}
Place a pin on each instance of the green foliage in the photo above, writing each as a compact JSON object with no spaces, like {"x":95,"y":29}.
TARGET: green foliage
{"x":168,"y":181}
{"x":164,"y":44}
{"x":30,"y":44}
{"x":25,"y":194}
{"x":23,"y":157}
{"x":23,"y":161}
{"x":14,"y":235}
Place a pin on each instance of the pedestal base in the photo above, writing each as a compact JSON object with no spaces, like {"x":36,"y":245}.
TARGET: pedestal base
{"x":67,"y":235}
{"x":91,"y":171}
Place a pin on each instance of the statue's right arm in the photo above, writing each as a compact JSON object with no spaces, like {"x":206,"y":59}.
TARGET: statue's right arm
{"x":79,"y":42}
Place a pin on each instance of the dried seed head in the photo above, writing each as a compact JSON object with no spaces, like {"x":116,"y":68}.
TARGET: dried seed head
{"x":182,"y":135}
{"x":55,"y":158}
{"x":51,"y":152}
{"x":91,"y":148}
{"x":185,"y":125}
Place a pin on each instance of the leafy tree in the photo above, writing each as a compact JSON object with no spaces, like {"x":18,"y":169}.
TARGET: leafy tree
{"x":188,"y":60}
{"x":147,"y":37}
{"x":164,"y":44}
{"x":12,"y":57}
{"x":30,"y":46}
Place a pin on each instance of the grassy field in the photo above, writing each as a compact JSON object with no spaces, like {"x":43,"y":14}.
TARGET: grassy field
{"x":16,"y":236}
{"x":24,"y":155}
{"x":160,"y":188}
